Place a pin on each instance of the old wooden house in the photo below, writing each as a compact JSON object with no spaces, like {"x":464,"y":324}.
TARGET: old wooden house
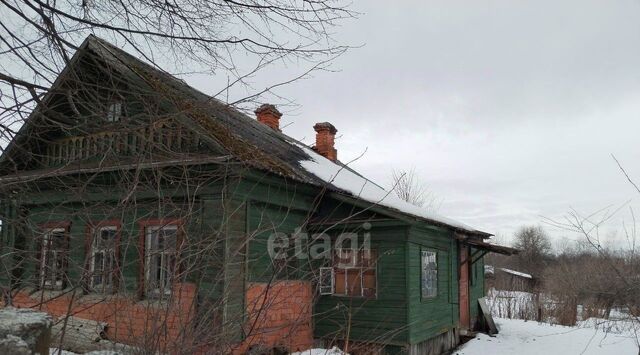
{"x":186,"y":226}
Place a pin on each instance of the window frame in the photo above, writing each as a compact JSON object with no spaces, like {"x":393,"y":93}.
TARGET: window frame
{"x":323,"y":288}
{"x":424,"y":297}
{"x":354,"y":265}
{"x":115,"y":110}
{"x":90,"y":252}
{"x":47,"y":229}
{"x":144,"y":286}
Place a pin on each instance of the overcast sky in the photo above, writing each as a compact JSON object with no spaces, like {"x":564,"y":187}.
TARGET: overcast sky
{"x":508,"y":110}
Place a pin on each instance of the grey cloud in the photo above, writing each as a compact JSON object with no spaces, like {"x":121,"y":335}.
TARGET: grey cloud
{"x":509,"y":110}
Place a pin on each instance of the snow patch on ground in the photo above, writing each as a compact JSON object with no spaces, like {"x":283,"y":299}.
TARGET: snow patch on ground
{"x":332,"y":351}
{"x":511,"y":304}
{"x":532,"y":338}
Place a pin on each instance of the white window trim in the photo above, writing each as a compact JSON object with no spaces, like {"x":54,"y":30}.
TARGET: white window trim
{"x":422,"y":266}
{"x":149,"y":233}
{"x":355,"y":253}
{"x":46,"y":242}
{"x":94,"y":251}
{"x":327,"y":289}
{"x":114,"y":111}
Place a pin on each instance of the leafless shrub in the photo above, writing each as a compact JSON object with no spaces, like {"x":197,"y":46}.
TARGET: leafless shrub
{"x":408,"y":187}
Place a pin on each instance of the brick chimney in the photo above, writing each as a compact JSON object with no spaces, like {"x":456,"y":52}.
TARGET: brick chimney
{"x":269,"y":115}
{"x":325,"y":137}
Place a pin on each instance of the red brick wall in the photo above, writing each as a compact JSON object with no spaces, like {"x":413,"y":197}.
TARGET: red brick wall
{"x":278,"y":315}
{"x":325,"y":140}
{"x":130,"y":321}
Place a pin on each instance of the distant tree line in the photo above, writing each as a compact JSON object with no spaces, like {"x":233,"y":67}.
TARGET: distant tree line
{"x":595,"y":280}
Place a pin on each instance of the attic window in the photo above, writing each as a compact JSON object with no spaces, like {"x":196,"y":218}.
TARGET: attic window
{"x":114,"y":111}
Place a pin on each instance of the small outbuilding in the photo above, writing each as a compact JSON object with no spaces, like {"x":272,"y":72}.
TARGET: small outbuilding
{"x":505,"y":279}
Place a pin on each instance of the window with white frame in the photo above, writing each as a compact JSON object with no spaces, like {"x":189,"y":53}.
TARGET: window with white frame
{"x":103,"y":259}
{"x":160,"y":267}
{"x":429,"y":275}
{"x":114,"y":111}
{"x":326,"y":280}
{"x":353,"y":274}
{"x":52,"y":259}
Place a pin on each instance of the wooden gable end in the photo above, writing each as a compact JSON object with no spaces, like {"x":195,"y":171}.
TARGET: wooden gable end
{"x":98,"y":112}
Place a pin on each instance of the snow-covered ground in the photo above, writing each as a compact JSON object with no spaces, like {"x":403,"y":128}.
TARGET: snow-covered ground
{"x":332,"y":351}
{"x":56,"y":351}
{"x":511,"y":304}
{"x":532,"y":338}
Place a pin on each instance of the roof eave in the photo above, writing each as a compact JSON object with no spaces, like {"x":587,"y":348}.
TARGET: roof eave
{"x":409,"y":218}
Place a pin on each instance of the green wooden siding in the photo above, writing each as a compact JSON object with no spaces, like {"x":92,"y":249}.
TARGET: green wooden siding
{"x":80,"y":218}
{"x":429,"y":317}
{"x":264,"y":221}
{"x":12,"y":250}
{"x":382,"y":319}
{"x":273,"y":207}
{"x":235,"y":261}
{"x":229,"y":229}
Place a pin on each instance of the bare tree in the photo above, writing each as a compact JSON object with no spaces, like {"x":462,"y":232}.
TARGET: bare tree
{"x":231,"y":40}
{"x":410,"y":188}
{"x":596,"y":276}
{"x":534,"y":245}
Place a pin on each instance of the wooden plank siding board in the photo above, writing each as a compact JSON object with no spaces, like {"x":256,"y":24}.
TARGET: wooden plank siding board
{"x":80,"y":219}
{"x":263,"y":221}
{"x":430,"y":317}
{"x":263,"y":187}
{"x":381,"y":319}
{"x":272,"y":206}
{"x":235,"y":258}
{"x":10,"y":254}
{"x":208,"y":279}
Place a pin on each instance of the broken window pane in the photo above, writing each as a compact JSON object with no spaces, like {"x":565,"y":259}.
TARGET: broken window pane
{"x":52,"y":263}
{"x":429,"y":265}
{"x":355,"y":272}
{"x":161,"y":259}
{"x":103,"y":252}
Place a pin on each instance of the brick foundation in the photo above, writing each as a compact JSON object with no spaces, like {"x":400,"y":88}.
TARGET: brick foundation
{"x":149,"y":324}
{"x":278,"y":316}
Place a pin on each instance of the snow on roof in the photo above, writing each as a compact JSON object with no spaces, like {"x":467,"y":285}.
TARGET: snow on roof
{"x":488,"y":269}
{"x":517,"y":273}
{"x":347,"y":180}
